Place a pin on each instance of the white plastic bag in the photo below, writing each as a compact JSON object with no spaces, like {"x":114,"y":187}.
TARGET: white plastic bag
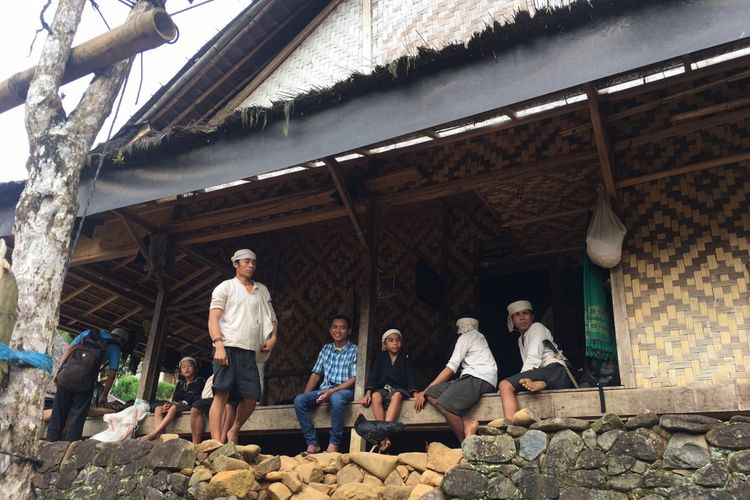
{"x":605,"y":235}
{"x":122,"y":424}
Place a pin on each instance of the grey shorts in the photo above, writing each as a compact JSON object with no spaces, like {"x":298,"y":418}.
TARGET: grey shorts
{"x":553,"y":375}
{"x":458,"y":396}
{"x":240,"y":377}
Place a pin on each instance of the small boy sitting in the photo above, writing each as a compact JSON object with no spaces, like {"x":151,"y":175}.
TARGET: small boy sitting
{"x":391,"y":381}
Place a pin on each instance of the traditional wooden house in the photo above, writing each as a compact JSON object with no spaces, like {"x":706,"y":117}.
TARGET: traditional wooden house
{"x":405,"y":162}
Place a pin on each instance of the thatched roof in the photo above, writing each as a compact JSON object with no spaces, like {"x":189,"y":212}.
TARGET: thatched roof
{"x":523,"y":28}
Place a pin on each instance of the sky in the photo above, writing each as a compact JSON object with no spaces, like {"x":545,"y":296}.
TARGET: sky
{"x":19,"y":21}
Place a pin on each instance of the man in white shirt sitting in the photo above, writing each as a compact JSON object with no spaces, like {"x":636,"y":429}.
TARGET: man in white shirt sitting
{"x":454,"y":398}
{"x":241,"y":323}
{"x":542,"y":368}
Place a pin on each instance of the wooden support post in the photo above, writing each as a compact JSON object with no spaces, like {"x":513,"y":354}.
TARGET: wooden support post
{"x":444,"y":318}
{"x":622,"y":330}
{"x":366,"y":316}
{"x":554,"y":281}
{"x":334,"y":171}
{"x":601,"y":140}
{"x":157,"y":335}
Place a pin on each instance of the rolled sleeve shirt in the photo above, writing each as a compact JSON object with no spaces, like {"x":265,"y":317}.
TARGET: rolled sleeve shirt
{"x":533,"y":352}
{"x":473,"y":355}
{"x":336,"y":366}
{"x":247,"y":319}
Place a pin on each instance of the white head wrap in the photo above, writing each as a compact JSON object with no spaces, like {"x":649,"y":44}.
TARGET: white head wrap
{"x":388,"y":332}
{"x":188,"y":358}
{"x":517,"y":306}
{"x":466,"y":325}
{"x":243,"y":253}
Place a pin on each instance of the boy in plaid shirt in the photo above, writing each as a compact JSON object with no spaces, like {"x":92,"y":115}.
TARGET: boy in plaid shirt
{"x":336,"y":367}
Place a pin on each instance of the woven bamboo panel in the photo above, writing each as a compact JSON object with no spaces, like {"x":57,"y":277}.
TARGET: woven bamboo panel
{"x":494,"y":151}
{"x":693,"y":140}
{"x":310,"y":285}
{"x":249,"y":193}
{"x":547,"y":195}
{"x":687,"y":279}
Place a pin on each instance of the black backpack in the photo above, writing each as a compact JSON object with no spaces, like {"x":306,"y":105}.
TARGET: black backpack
{"x":79,"y":371}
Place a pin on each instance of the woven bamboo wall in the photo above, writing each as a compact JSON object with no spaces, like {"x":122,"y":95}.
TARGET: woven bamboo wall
{"x":317,"y":268}
{"x":687,"y":278}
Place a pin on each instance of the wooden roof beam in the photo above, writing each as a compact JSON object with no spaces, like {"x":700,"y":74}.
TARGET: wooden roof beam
{"x":190,"y":277}
{"x":686,"y":169}
{"x":601,"y":139}
{"x":546,"y":217}
{"x":76,"y":293}
{"x":101,"y":304}
{"x":201,"y":284}
{"x":107,"y":283}
{"x":189,"y":252}
{"x":127,"y":315}
{"x":711,"y":110}
{"x":131,"y":230}
{"x":335,"y":172}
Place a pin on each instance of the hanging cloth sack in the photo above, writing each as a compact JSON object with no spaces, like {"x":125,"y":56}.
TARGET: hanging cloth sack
{"x":605,"y":234}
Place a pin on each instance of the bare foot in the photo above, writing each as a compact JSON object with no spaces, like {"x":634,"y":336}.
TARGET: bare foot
{"x":384,"y":445}
{"x":332,"y":448}
{"x":533,"y":385}
{"x":524,"y":417}
{"x":470,"y":427}
{"x":147,"y":437}
{"x":232,"y":436}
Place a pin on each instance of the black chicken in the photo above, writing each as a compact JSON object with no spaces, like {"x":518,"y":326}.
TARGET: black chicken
{"x":376,"y":431}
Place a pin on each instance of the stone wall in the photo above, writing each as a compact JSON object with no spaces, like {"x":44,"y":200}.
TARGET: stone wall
{"x":675,"y":456}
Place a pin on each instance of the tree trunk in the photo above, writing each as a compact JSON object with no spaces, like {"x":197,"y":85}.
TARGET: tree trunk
{"x":45,"y":216}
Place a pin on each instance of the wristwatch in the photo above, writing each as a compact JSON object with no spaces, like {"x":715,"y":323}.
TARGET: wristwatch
{"x":213,"y":343}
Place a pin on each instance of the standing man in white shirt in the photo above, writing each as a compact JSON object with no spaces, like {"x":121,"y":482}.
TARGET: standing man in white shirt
{"x":454,"y":398}
{"x":241,"y":323}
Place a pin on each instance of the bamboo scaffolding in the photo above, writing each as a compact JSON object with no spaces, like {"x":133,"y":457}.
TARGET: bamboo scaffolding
{"x":145,"y":32}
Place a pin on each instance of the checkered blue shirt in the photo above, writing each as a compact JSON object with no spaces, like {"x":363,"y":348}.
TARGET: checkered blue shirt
{"x":336,"y":366}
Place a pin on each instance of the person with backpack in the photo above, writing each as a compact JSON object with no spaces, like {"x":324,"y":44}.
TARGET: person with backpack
{"x":77,"y":376}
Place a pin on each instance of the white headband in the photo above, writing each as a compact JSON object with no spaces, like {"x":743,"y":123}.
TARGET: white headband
{"x":243,"y":253}
{"x":517,"y":306}
{"x":466,"y":325}
{"x":388,"y":332}
{"x":190,"y":359}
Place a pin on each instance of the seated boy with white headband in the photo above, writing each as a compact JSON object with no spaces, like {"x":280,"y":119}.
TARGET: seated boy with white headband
{"x":454,"y":398}
{"x":391,"y":380}
{"x":542,"y":368}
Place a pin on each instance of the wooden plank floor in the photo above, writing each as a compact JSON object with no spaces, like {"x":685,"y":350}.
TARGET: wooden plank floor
{"x":582,"y":403}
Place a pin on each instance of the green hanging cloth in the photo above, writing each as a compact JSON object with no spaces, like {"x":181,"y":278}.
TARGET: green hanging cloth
{"x":600,"y":339}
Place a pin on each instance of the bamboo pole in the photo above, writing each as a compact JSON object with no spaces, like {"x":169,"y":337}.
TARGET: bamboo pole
{"x":146,"y":31}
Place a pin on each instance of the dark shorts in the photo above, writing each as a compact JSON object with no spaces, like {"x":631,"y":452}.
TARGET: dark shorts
{"x":387,"y":393}
{"x":458,"y":396}
{"x":240,"y":376}
{"x":205,"y":404}
{"x":553,"y":375}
